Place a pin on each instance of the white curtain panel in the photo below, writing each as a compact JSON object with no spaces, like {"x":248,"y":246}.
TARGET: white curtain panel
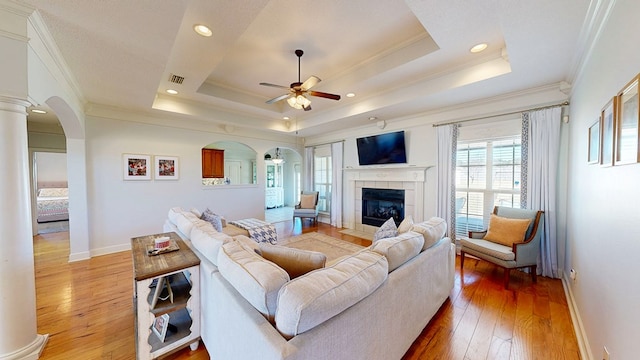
{"x":542,"y":174}
{"x":336,"y":183}
{"x":307,"y":180}
{"x":447,"y":149}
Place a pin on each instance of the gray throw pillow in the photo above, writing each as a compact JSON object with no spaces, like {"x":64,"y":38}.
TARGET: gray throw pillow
{"x":387,"y":230}
{"x":214,"y":219}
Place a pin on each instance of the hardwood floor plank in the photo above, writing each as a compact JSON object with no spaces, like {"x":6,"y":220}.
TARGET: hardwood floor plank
{"x":87,"y":309}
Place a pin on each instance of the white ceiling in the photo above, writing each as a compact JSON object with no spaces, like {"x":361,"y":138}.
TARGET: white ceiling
{"x":400,"y":57}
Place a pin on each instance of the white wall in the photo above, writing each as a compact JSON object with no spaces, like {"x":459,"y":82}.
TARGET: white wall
{"x":122,"y":209}
{"x":51,"y":167}
{"x":603,"y":242}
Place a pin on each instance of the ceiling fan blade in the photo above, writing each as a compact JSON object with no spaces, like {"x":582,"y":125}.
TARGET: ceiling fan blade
{"x":310,"y":82}
{"x":276,"y":99}
{"x":274,"y":85}
{"x":324,"y":95}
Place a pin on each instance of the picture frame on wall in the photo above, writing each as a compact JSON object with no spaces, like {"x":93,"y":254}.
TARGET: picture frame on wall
{"x":626,"y":125}
{"x":594,"y":143}
{"x":166,"y":167}
{"x":136,"y":167}
{"x":607,"y":129}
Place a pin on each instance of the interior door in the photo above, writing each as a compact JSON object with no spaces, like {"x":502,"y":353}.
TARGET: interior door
{"x":232,"y":170}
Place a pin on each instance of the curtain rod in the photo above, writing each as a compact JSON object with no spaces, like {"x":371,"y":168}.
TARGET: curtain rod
{"x":565,"y":103}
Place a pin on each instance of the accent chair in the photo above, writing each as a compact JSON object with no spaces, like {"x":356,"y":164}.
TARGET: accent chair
{"x":508,"y":242}
{"x":308,"y":206}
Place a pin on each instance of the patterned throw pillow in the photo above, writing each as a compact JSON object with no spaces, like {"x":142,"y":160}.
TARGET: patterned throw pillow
{"x":387,"y":230}
{"x":214,"y":219}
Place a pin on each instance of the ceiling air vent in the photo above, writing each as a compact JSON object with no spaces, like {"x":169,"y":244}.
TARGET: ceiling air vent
{"x":176,"y":79}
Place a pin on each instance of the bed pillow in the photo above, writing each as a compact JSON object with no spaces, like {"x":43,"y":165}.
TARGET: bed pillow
{"x":387,"y":230}
{"x":53,"y":192}
{"x":506,"y":231}
{"x":295,"y":262}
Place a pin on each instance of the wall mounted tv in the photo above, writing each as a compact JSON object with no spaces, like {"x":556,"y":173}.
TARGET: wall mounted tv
{"x":382,"y":149}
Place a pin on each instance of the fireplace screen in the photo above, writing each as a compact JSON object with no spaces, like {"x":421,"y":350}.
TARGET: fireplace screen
{"x":378,"y":205}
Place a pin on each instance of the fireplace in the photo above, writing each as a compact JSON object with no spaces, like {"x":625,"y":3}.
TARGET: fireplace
{"x":378,"y":205}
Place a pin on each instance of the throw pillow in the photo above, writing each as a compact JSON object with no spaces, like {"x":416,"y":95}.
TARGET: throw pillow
{"x":506,"y":231}
{"x":295,"y":262}
{"x":307,"y":201}
{"x":214,"y":219}
{"x":387,"y":230}
{"x":405,"y":225}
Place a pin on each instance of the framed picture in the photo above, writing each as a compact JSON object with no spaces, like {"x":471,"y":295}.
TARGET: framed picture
{"x":137,"y":167}
{"x":160,"y":326}
{"x":594,"y":143}
{"x":626,"y":125}
{"x":166,"y":167}
{"x":607,"y":139}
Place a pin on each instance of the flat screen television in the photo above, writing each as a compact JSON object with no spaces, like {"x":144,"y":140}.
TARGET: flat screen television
{"x":382,"y":149}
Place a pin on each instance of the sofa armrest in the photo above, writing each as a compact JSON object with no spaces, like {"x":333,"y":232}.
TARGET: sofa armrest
{"x":477,"y":234}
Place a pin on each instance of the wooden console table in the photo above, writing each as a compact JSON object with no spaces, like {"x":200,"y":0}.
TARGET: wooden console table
{"x":181,"y":271}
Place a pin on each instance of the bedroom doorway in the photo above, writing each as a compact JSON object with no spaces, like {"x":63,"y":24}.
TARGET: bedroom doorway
{"x":51,"y":191}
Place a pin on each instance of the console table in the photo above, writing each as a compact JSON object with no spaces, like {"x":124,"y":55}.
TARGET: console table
{"x":181,"y":271}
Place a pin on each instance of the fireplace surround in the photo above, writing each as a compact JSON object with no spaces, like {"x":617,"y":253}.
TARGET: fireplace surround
{"x":411,"y":179}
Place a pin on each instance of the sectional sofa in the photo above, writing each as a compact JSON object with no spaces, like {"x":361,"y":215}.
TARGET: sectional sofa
{"x":369,"y":305}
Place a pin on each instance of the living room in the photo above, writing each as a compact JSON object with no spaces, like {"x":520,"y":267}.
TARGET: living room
{"x":598,"y":199}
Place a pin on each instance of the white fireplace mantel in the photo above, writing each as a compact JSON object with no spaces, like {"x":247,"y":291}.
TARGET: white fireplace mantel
{"x":409,"y":178}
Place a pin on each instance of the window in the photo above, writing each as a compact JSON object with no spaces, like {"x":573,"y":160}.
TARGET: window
{"x":322,"y":177}
{"x":487,"y":174}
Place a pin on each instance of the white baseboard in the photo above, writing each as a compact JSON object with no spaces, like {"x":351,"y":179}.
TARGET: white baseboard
{"x":110,"y":249}
{"x":581,"y":335}
{"x":79,"y":256}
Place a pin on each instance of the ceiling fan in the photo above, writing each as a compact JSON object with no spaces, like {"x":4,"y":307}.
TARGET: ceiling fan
{"x":297,"y":91}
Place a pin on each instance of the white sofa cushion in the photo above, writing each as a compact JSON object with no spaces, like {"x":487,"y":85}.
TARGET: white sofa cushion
{"x":185,"y":222}
{"x":173,"y":214}
{"x":432,"y":230}
{"x":399,"y":249}
{"x":295,"y":262}
{"x":405,"y":225}
{"x":311,"y":299}
{"x":256,"y":279}
{"x":208,"y":241}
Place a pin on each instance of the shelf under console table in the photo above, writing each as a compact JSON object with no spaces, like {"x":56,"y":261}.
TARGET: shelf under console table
{"x":166,"y":296}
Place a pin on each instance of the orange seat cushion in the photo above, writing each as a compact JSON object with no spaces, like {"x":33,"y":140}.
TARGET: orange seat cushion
{"x":506,"y":231}
{"x":307,"y":201}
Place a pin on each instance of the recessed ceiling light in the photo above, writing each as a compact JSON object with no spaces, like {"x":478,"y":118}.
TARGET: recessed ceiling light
{"x":478,"y":48}
{"x":350,"y":95}
{"x":373,"y":118}
{"x":171,"y":91}
{"x":38,"y":111}
{"x":285,"y":118}
{"x":202,"y":30}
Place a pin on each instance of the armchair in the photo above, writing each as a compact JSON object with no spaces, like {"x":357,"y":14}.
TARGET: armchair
{"x":308,"y":206}
{"x":522,"y":253}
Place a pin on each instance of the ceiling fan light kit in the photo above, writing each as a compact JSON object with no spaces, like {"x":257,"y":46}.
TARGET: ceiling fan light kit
{"x":298,"y":91}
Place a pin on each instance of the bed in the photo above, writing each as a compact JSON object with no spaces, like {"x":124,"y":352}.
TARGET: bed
{"x":52,"y":202}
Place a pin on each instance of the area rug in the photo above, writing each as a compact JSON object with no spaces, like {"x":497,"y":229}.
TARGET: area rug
{"x":333,"y":248}
{"x":356,"y":233}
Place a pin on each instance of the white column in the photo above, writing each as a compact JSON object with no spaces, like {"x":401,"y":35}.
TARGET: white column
{"x":18,"y":326}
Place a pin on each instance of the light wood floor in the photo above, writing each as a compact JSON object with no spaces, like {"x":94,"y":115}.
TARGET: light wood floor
{"x":87,"y":309}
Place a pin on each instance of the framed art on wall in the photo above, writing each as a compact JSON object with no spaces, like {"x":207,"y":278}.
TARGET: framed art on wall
{"x":594,"y":143}
{"x":626,"y":125}
{"x":167,"y":167}
{"x":606,"y":127}
{"x":136,"y":167}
